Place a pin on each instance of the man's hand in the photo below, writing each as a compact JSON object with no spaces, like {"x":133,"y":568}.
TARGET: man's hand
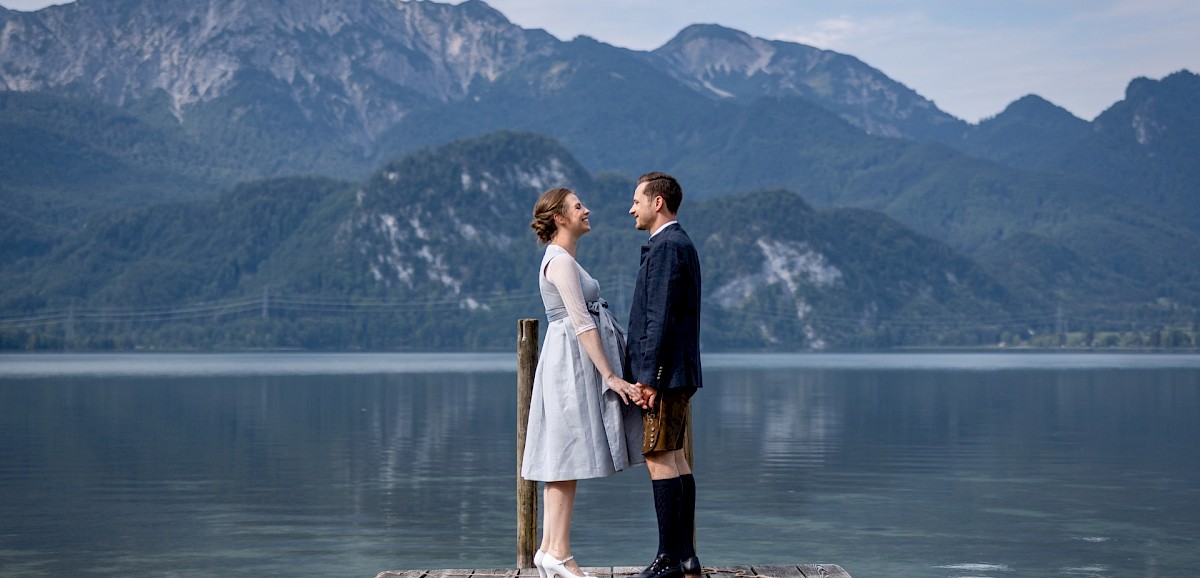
{"x":648,"y":395}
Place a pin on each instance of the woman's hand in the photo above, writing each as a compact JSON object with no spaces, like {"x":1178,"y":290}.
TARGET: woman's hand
{"x":627,"y":391}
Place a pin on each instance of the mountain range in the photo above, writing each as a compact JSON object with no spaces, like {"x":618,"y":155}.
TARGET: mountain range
{"x":434,"y":250}
{"x":111,"y":109}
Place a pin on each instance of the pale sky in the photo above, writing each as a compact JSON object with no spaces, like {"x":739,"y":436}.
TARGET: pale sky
{"x":971,"y":57}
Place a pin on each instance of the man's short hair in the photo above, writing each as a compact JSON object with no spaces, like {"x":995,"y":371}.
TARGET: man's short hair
{"x":665,"y":186}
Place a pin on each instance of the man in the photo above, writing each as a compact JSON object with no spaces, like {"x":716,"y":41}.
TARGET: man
{"x":663,"y":360}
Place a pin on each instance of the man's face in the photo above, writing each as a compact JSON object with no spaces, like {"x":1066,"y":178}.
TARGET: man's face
{"x":643,"y":209}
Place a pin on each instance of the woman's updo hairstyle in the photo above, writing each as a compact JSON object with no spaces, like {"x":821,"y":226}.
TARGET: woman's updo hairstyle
{"x":549,"y":204}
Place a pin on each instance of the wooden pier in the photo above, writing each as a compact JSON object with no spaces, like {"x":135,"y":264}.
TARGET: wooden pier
{"x":756,"y":571}
{"x":527,"y":355}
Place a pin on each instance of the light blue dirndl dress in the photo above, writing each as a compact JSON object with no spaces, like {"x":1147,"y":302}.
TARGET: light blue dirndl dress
{"x":578,"y":428}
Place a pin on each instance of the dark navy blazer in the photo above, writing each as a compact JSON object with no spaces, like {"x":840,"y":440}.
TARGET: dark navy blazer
{"x":664,"y":321}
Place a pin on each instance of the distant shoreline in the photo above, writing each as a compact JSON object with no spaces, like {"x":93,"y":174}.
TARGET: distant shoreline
{"x":144,"y":364}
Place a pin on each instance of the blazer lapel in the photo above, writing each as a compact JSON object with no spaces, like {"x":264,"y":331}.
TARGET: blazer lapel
{"x":652,"y":241}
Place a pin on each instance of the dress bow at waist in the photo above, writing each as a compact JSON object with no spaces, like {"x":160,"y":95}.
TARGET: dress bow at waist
{"x":596,"y":308}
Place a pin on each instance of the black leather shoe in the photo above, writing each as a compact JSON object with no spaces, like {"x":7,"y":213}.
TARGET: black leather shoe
{"x":691,"y":566}
{"x":662,"y":567}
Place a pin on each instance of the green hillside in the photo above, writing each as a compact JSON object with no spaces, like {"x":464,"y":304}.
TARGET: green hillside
{"x":434,"y":252}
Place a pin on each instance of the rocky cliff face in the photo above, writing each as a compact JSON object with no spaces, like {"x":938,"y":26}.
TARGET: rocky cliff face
{"x":448,"y":221}
{"x":365,"y":61}
{"x":729,"y":64}
{"x":360,"y":65}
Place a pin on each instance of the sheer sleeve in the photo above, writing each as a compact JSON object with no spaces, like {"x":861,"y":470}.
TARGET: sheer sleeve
{"x":562,"y":272}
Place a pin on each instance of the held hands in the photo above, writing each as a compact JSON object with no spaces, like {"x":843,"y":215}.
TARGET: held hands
{"x":628,"y":391}
{"x":648,"y":394}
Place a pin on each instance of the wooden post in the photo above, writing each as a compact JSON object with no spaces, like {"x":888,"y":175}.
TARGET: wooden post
{"x":527,"y":358}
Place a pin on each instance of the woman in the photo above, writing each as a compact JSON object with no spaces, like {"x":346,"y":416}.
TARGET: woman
{"x":581,"y":422}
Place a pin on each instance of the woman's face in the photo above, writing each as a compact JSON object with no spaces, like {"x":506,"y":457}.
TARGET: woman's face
{"x":575,"y":216}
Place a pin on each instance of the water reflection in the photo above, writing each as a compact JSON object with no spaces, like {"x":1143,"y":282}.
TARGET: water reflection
{"x":898,"y":472}
{"x":1037,"y":470}
{"x":240,"y":473}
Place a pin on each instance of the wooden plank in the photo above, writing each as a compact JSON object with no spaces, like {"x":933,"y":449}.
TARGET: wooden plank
{"x":727,"y":571}
{"x":778,"y":571}
{"x":450,"y":573}
{"x":762,"y":571}
{"x":401,"y":574}
{"x":499,"y":572}
{"x":823,"y":571}
{"x":623,"y":571}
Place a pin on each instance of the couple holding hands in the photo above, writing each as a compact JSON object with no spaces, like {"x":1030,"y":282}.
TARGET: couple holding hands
{"x":601,"y":402}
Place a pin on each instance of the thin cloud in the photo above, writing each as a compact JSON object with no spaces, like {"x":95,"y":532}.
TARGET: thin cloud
{"x":971,"y":58}
{"x":827,"y":34}
{"x":31,"y":5}
{"x":973,"y":68}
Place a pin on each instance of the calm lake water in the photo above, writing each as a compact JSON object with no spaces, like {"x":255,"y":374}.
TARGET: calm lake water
{"x":899,"y":465}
